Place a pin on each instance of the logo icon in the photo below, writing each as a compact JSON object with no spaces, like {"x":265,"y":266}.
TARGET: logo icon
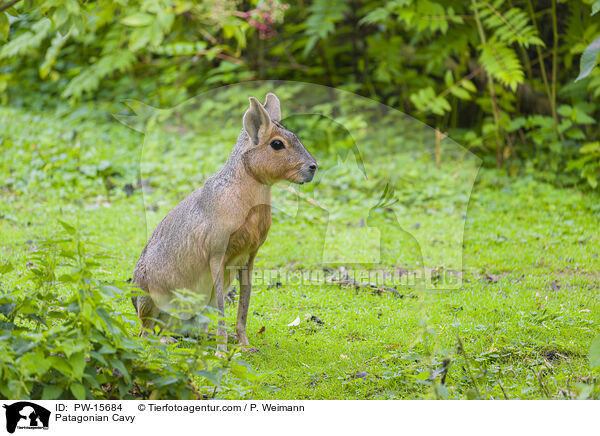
{"x":26,"y":415}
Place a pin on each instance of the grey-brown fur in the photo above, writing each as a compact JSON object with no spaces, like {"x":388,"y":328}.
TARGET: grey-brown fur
{"x":221,"y":226}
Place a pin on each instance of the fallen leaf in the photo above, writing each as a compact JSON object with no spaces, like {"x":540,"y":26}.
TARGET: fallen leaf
{"x":295,"y":322}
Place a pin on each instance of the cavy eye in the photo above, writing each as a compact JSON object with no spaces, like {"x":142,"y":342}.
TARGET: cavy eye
{"x":277,"y":144}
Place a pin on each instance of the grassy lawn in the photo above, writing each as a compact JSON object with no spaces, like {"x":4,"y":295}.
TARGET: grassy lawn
{"x":525,"y":314}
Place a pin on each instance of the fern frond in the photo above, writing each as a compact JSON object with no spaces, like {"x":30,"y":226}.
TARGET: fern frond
{"x":324,"y":15}
{"x":426,"y":100}
{"x":376,"y":16}
{"x":501,"y":62}
{"x":27,"y":41}
{"x":511,"y":27}
{"x":50,"y":59}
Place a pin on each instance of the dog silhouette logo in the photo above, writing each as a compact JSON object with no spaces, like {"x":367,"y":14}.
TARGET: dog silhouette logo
{"x":26,"y":415}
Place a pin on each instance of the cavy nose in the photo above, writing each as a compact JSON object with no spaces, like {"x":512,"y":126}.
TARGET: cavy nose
{"x":313,"y":167}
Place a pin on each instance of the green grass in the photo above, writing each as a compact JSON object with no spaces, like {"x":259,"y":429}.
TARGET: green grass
{"x":526,"y":312}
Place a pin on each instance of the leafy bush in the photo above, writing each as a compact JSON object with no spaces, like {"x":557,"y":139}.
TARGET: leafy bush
{"x":62,"y":338}
{"x":589,"y":163}
{"x":469,"y":68}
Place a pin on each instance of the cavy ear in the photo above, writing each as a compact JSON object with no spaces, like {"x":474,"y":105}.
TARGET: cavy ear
{"x":273,"y":107}
{"x":257,"y":122}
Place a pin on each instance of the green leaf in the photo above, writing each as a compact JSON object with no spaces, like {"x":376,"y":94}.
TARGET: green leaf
{"x":60,"y":17}
{"x":565,"y":110}
{"x":165,"y":20}
{"x":423,"y":375}
{"x":595,"y":7}
{"x":460,"y":93}
{"x":59,"y":363}
{"x":427,"y":100}
{"x":139,"y":19}
{"x":66,"y":278}
{"x":210,"y":376}
{"x":516,"y":124}
{"x":472,"y":395}
{"x":77,"y":361}
{"x":590,"y":148}
{"x":51,"y":392}
{"x":98,"y":357}
{"x":378,"y":15}
{"x":107,"y":349}
{"x":468,"y":85}
{"x":117,"y":364}
{"x":68,"y":227}
{"x":448,"y":78}
{"x":34,"y":363}
{"x":157,"y":35}
{"x":50,"y":59}
{"x":78,"y":390}
{"x":4,"y":26}
{"x":581,"y":117}
{"x":164,"y":381}
{"x":6,"y":267}
{"x":501,"y":62}
{"x":594,"y":353}
{"x":140,"y":38}
{"x":575,"y":133}
{"x":588,"y":59}
{"x":26,"y":41}
{"x":92,"y":379}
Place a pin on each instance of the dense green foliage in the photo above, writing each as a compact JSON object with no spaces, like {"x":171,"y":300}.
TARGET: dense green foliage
{"x":499,"y":76}
{"x":61,"y":338}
